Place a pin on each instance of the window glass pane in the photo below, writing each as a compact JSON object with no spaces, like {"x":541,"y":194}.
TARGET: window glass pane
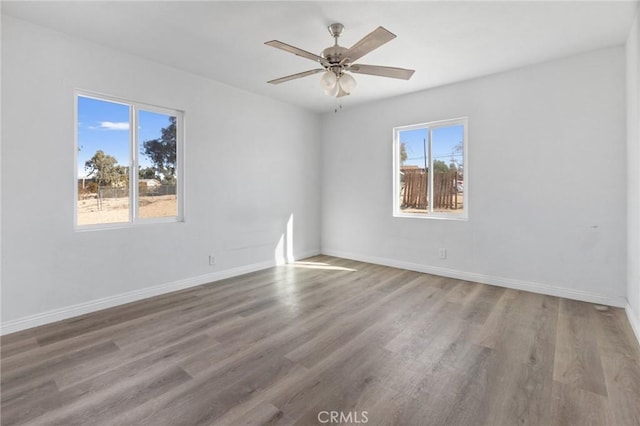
{"x":447,"y":153}
{"x":157,"y":178}
{"x":103,"y":161}
{"x":414,"y":161}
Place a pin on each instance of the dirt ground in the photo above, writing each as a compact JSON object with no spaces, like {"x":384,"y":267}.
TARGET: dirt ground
{"x":115,"y":210}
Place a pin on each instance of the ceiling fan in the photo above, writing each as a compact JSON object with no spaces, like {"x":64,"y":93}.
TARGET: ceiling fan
{"x":338,"y":62}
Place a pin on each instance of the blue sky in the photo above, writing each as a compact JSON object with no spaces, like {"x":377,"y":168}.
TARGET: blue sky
{"x":105,"y":125}
{"x":443,"y":147}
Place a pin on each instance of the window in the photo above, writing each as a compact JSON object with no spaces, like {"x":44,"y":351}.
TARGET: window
{"x":128,"y":162}
{"x":430,"y":173}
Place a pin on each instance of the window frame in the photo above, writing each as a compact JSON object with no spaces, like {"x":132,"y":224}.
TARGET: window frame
{"x":429,"y":126}
{"x":134,"y":148}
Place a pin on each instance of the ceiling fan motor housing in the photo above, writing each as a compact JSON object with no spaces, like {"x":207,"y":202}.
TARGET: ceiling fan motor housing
{"x":335,"y":54}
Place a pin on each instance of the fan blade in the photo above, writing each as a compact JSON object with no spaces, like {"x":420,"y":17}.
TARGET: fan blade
{"x":296,"y":51}
{"x":381,"y":71}
{"x":294,"y":76}
{"x":371,"y":41}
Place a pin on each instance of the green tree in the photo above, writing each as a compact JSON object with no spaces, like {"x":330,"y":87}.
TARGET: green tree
{"x":440,"y":166}
{"x":148,"y":173}
{"x":104,"y":169}
{"x":162,"y":152}
{"x":403,"y":153}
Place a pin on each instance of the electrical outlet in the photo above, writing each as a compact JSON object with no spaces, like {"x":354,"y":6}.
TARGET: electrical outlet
{"x":443,"y":253}
{"x":212,"y":260}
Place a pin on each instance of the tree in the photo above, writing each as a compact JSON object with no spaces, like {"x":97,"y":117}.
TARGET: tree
{"x":403,"y":153}
{"x":162,"y":152}
{"x":440,"y":166}
{"x":147,"y":173}
{"x":104,"y":169}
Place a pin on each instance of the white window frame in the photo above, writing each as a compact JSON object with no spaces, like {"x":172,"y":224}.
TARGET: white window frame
{"x":397,"y":212}
{"x":134,"y":108}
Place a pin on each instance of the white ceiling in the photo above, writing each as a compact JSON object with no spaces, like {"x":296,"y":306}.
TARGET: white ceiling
{"x":443,"y":41}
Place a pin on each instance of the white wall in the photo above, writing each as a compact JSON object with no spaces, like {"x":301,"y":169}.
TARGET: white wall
{"x":251,"y":163}
{"x":547,"y":180}
{"x":633,"y":176}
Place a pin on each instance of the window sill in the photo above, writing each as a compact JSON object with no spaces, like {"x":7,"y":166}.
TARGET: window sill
{"x":121,"y":225}
{"x":435,"y":216}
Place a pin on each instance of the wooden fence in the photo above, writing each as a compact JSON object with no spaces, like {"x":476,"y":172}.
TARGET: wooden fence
{"x":415,"y":192}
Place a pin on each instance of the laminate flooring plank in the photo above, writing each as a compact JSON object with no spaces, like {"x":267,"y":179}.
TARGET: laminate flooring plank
{"x":132,"y":332}
{"x":185,"y":405}
{"x":18,"y":337}
{"x":263,"y":414}
{"x":107,"y":369}
{"x":397,"y":279}
{"x":316,"y":292}
{"x":332,"y":383}
{"x":365,"y":382}
{"x":496,"y":324}
{"x":11,"y":404}
{"x":463,"y":292}
{"x":297,"y":392}
{"x":79,"y":342}
{"x":622,"y":376}
{"x":98,"y":408}
{"x":354,"y":404}
{"x":278,"y":314}
{"x":211,"y":313}
{"x":425,"y":326}
{"x":444,"y":391}
{"x":135,"y":310}
{"x":195,"y":323}
{"x":233,"y":331}
{"x":573,"y":406}
{"x":17,"y":347}
{"x":293,"y":379}
{"x":28,"y":377}
{"x":352,"y":325}
{"x":615,"y":335}
{"x":620,"y":355}
{"x":522,"y":366}
{"x":577,"y":357}
{"x":305,"y":329}
{"x":480,"y":306}
{"x":85,"y":385}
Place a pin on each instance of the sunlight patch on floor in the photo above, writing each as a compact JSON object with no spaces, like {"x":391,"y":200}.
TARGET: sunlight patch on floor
{"x":319,"y":265}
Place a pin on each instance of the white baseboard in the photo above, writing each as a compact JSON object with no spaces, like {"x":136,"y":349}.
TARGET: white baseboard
{"x":132,"y":296}
{"x":486,"y":279}
{"x":634,"y":320}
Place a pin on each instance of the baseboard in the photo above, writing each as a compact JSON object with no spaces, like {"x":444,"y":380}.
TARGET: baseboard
{"x":486,"y":279}
{"x":634,"y":320}
{"x":133,"y":296}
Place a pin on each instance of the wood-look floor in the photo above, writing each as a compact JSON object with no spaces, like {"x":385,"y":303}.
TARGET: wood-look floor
{"x":282,"y":345}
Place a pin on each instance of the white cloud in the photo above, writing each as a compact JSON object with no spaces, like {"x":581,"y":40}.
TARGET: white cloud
{"x":109,"y":125}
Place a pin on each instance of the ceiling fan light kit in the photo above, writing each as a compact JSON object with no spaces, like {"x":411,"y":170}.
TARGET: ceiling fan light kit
{"x":338,"y":62}
{"x":333,"y":83}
